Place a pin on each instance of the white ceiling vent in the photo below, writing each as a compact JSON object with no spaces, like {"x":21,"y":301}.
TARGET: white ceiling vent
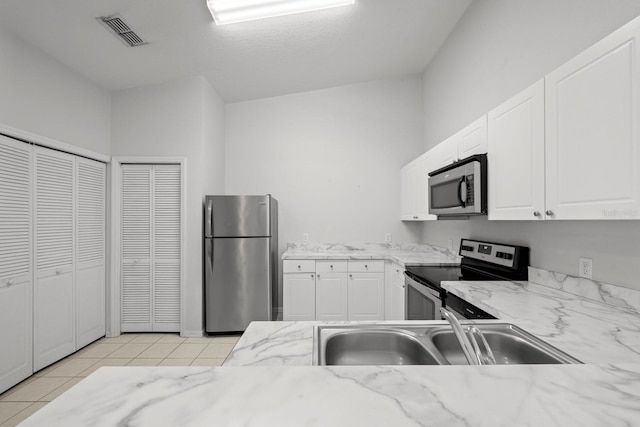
{"x":122,"y":30}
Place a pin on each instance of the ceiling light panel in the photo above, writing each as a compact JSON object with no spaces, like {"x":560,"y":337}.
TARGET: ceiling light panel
{"x":232,"y":11}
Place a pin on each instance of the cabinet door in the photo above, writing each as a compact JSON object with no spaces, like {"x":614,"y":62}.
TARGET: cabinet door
{"x":421,"y":187}
{"x":407,"y":192}
{"x":54,"y":320}
{"x":366,"y":296}
{"x":473,"y":139}
{"x":592,"y":136}
{"x":16,"y":300}
{"x":398,"y":299}
{"x":331,"y":296}
{"x":516,"y":166}
{"x":299,"y":296}
{"x":90,"y":255}
{"x":444,"y":153}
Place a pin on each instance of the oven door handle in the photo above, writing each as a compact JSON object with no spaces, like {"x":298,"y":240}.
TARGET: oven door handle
{"x":462,"y":191}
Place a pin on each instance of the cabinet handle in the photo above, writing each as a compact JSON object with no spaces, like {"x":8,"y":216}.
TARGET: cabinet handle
{"x":536,"y":213}
{"x":58,"y":272}
{"x":299,"y":267}
{"x":331,"y":267}
{"x":351,"y":276}
{"x":312,"y":276}
{"x":549,"y":212}
{"x":9,"y":283}
{"x":317,"y":276}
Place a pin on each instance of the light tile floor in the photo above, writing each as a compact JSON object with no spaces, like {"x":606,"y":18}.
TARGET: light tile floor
{"x":24,"y":399}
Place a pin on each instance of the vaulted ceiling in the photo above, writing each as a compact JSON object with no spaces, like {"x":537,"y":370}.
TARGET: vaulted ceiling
{"x":374,"y":39}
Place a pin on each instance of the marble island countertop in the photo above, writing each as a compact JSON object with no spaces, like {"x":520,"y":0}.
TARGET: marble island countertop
{"x":267,"y":380}
{"x":403,"y":254}
{"x":452,"y":396}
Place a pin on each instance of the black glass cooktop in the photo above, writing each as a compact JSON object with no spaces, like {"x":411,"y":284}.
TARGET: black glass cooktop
{"x":432,"y":275}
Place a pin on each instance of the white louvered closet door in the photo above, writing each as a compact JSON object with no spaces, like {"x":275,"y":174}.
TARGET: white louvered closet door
{"x":90,"y":251}
{"x":54,"y":319}
{"x":135,"y":238}
{"x":16,"y":301}
{"x":150,"y":238}
{"x":166,"y":248}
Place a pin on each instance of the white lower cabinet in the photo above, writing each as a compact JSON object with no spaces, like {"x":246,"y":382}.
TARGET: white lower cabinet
{"x":333,"y":290}
{"x":299,"y":290}
{"x":394,"y":292}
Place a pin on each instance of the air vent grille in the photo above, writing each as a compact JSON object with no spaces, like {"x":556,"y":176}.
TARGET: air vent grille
{"x":122,"y":30}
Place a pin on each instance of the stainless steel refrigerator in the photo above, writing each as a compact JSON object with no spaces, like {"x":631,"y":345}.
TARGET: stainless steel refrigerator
{"x":240,"y":261}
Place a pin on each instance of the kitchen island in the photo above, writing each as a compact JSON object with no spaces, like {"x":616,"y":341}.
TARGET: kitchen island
{"x":267,"y":380}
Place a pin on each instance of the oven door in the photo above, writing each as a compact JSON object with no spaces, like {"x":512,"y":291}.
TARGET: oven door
{"x":421,"y":302}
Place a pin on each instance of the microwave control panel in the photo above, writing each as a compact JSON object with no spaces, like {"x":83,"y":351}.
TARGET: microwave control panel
{"x":488,"y":252}
{"x":470,"y":190}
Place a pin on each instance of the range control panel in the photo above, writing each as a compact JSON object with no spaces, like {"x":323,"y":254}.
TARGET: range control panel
{"x":488,"y":252}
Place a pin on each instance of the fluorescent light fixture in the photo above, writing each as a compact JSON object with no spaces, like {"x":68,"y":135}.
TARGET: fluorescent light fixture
{"x":231,"y":11}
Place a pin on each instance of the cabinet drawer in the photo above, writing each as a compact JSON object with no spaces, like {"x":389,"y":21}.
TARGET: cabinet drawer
{"x":328,"y":266}
{"x":366,"y":266}
{"x":397,"y":272}
{"x":299,"y":266}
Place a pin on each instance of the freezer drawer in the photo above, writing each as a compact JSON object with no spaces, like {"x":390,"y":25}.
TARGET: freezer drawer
{"x":238,"y":276}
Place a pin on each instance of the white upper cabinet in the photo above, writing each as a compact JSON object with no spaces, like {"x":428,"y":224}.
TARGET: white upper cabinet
{"x":444,"y":153}
{"x":592,"y":135}
{"x":415,"y":175}
{"x":516,"y":166}
{"x":415,"y":189}
{"x":473,"y":139}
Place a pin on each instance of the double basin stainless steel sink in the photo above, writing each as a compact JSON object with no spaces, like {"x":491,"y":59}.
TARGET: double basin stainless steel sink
{"x":425,"y":344}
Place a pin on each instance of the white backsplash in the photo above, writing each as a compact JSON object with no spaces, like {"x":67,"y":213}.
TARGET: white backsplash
{"x":618,"y":296}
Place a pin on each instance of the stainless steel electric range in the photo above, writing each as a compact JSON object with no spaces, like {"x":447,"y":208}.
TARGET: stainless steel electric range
{"x":424,"y":295}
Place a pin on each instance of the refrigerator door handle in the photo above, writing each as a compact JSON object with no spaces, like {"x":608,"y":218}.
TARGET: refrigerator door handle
{"x":208,"y":222}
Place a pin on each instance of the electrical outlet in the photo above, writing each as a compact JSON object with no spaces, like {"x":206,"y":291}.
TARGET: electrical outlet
{"x":450,"y":244}
{"x":387,"y":237}
{"x":585,"y":267}
{"x":305,"y":237}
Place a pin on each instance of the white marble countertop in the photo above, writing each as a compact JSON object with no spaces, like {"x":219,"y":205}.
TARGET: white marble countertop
{"x":260,"y":384}
{"x":489,"y":396}
{"x":591,"y":331}
{"x":403,"y":254}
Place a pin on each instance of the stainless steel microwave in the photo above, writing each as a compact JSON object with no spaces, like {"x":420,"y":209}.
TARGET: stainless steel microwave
{"x":459,"y":189}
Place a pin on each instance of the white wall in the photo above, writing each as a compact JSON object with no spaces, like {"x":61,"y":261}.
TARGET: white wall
{"x":183,"y":118}
{"x":331,"y":157}
{"x":45,"y":97}
{"x":498,"y":48}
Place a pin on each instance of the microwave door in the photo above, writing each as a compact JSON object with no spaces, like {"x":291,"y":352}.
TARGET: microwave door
{"x":446,"y":192}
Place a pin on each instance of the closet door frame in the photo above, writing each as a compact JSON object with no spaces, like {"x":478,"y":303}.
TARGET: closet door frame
{"x":113,"y":321}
